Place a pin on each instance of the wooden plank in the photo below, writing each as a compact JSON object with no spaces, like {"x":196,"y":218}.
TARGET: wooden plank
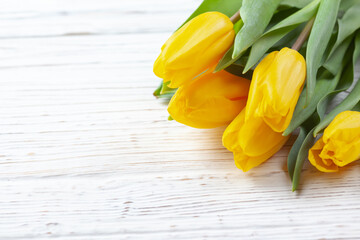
{"x":87,"y":152}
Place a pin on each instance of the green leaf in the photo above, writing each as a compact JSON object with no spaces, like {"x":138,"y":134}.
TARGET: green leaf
{"x":237,"y":70}
{"x":226,"y":60}
{"x":296,"y":3}
{"x":279,"y":15}
{"x":268,"y":39}
{"x":348,"y":24}
{"x":256,"y":15}
{"x":293,"y":154}
{"x":346,"y":4}
{"x":324,"y":86}
{"x":300,"y":149}
{"x":302,"y":155}
{"x":325,"y":89}
{"x":353,"y":98}
{"x":334,"y":63}
{"x":347,"y":104}
{"x":228,"y":7}
{"x":357,"y":107}
{"x":164,"y":92}
{"x":158,"y":89}
{"x":348,"y":75}
{"x":289,"y":39}
{"x":329,"y":46}
{"x":318,"y":41}
{"x":344,"y":83}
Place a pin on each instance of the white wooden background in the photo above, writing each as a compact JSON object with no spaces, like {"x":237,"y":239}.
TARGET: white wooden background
{"x":86,"y":151}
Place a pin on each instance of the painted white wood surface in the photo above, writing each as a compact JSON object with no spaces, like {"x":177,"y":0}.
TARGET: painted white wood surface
{"x":86,"y":151}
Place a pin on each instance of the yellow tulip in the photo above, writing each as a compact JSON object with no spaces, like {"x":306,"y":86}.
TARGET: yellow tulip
{"x":194,"y":48}
{"x":275,"y":88}
{"x":252,"y":142}
{"x":256,"y":134}
{"x":209,"y":101}
{"x":339,"y":145}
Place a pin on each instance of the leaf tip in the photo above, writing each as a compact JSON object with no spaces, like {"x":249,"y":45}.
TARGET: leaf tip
{"x":287,"y":132}
{"x":246,"y":69}
{"x":315,"y":133}
{"x":217,"y":69}
{"x":235,"y":54}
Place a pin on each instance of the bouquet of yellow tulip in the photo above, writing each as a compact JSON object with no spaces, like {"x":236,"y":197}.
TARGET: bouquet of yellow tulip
{"x":266,"y":68}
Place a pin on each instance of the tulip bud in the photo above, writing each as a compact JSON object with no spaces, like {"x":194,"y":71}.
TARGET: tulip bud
{"x":195,"y":47}
{"x":252,"y":142}
{"x":256,"y":134}
{"x":210,"y":101}
{"x":339,"y":145}
{"x":275,"y":88}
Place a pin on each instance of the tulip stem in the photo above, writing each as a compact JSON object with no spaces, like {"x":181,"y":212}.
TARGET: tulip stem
{"x":235,"y":17}
{"x":303,"y":35}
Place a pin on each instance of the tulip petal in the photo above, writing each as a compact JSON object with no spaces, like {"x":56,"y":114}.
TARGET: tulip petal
{"x":340,"y":143}
{"x":209,"y":101}
{"x":345,"y":126}
{"x":194,"y":48}
{"x":257,"y":138}
{"x":245,"y":162}
{"x":276,"y":86}
{"x":159,"y":69}
{"x":252,"y":142}
{"x":231,"y":134}
{"x":261,"y":70}
{"x":317,"y":161}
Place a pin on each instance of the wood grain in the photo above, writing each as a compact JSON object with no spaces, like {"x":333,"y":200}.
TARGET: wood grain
{"x":87,"y":152}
